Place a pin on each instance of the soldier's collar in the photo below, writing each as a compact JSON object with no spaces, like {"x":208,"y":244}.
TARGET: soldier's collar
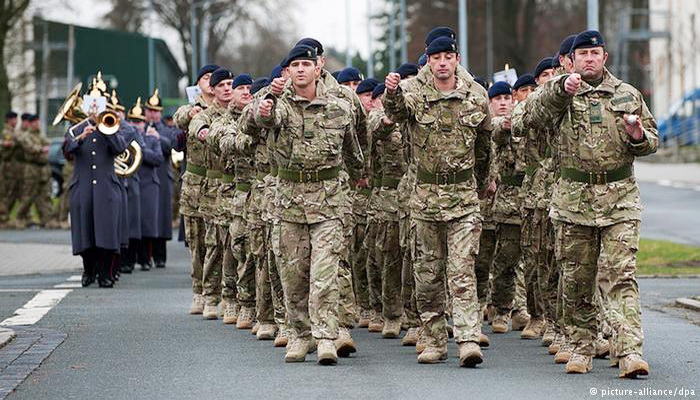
{"x":459,"y":92}
{"x":608,"y":85}
{"x":321,"y":95}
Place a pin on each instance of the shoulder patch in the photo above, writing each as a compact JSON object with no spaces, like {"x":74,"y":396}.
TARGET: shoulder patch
{"x":620,"y":100}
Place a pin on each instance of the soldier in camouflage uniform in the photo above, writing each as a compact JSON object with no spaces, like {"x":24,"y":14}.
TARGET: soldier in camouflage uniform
{"x":37,"y":174}
{"x":7,"y":180}
{"x":449,"y":128}
{"x":192,"y":181}
{"x":315,"y":139}
{"x":603,"y":125}
{"x":214,"y":117}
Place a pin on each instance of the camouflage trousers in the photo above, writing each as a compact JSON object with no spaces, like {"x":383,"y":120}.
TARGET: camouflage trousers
{"x":447,"y":251}
{"x":11,"y":188}
{"x":309,"y":261}
{"x":388,"y":247}
{"x":408,"y":281}
{"x":520,"y":295}
{"x":229,"y":267}
{"x":373,"y":268}
{"x":484,"y":262}
{"x":541,"y":274}
{"x":245,"y":264}
{"x":36,"y":193}
{"x":604,"y":259}
{"x":347,"y":314}
{"x":211,"y":273}
{"x":263,"y":290}
{"x":272,"y":246}
{"x":505,"y":265}
{"x":359,"y":266}
{"x":194,"y":232}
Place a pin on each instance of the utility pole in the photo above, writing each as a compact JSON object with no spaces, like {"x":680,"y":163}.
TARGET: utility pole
{"x":592,"y":14}
{"x":489,"y":40}
{"x":402,"y":26}
{"x":348,"y":38}
{"x":463,"y":47}
{"x":370,"y":57}
{"x":694,"y":52}
{"x":193,"y":41}
{"x":392,"y":35}
{"x":204,"y":34}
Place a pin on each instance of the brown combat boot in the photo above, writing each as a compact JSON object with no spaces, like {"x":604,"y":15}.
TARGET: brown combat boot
{"x":392,"y":329}
{"x":470,"y":354}
{"x":432,"y":355}
{"x":246,"y":318}
{"x":579,"y":364}
{"x":230,"y":313}
{"x":254,"y":329}
{"x":633,"y":365}
{"x":376,"y":324}
{"x":548,"y":335}
{"x":601,"y":346}
{"x":282,"y":338}
{"x":484,"y":340}
{"x":344,"y":345}
{"x":365,"y":316}
{"x":210,"y":312}
{"x":266,"y":332}
{"x":410,"y":338}
{"x":421,"y":344}
{"x":553,"y":348}
{"x":564,"y":353}
{"x":520,"y":319}
{"x":533,"y":330}
{"x":197,"y":306}
{"x":499,"y":324}
{"x":327,"y":354}
{"x":297,"y":350}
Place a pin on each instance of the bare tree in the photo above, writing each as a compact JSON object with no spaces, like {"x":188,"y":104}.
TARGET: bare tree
{"x":10,"y":12}
{"x":127,"y":15}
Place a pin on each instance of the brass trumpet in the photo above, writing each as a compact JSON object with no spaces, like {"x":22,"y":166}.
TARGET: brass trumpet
{"x":107,"y":123}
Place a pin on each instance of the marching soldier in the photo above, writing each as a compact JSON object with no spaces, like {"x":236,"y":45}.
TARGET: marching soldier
{"x":603,"y":125}
{"x":350,"y":77}
{"x":192,"y":181}
{"x":316,"y":139}
{"x":444,"y":203}
{"x":37,"y":192}
{"x":8,"y":176}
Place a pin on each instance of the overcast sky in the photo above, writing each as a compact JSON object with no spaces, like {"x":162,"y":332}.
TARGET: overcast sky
{"x":324,"y":20}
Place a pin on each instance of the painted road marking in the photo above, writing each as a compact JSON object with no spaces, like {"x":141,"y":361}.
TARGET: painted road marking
{"x":37,"y":307}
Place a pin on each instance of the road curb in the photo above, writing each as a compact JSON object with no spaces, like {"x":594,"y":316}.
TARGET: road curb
{"x":6,"y":336}
{"x":688,"y":303}
{"x":660,"y":276}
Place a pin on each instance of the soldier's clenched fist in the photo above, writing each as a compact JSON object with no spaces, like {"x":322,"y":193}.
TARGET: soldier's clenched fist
{"x":392,"y":81}
{"x":265,"y":108}
{"x":572,"y":83}
{"x":277,"y":86}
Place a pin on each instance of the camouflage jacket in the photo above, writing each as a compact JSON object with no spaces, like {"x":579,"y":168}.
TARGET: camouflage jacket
{"x":390,"y":164}
{"x":207,"y":119}
{"x":448,"y":133}
{"x":191,"y":182}
{"x":310,"y":136}
{"x":506,"y":205}
{"x":592,"y":139}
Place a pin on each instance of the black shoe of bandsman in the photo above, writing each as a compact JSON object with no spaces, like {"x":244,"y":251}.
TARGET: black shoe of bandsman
{"x":87,"y":280}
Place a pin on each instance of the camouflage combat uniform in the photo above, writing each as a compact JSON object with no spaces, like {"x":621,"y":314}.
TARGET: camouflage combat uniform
{"x":38,"y":178}
{"x":449,"y":136}
{"x":314,"y":140}
{"x":595,"y":205}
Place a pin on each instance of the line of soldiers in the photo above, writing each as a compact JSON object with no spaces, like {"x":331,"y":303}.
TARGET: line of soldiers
{"x":314,"y":203}
{"x":26,"y":174}
{"x":121,"y":219}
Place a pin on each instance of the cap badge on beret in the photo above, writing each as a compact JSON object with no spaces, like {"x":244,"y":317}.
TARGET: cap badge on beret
{"x":594,"y":40}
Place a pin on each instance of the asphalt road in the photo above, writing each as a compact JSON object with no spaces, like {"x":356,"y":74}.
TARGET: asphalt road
{"x":137,"y":341}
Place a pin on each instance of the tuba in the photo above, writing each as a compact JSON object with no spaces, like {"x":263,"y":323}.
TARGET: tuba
{"x":176,"y":158}
{"x":129,"y":161}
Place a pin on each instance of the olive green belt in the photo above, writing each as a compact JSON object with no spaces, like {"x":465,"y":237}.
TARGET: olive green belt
{"x":512,"y":180}
{"x":196,"y":169}
{"x":376,"y":182}
{"x":364,"y":191}
{"x":303,"y":176}
{"x":214,"y":174}
{"x":444,"y":178}
{"x":596,"y":178}
{"x":243,"y":186}
{"x":530,"y":169}
{"x":390,"y":182}
{"x":273,"y":170}
{"x":227,"y":178}
{"x":260,"y":175}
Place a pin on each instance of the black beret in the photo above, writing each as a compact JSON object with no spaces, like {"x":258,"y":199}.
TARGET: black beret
{"x":301,"y":52}
{"x":440,"y":45}
{"x":33,"y":118}
{"x":481,"y":81}
{"x":242,"y":79}
{"x":406,"y":70}
{"x":544,"y":64}
{"x":367,"y":85}
{"x":10,"y":115}
{"x":26,"y":116}
{"x":565,"y":46}
{"x":422,"y":60}
{"x":555,"y":61}
{"x":378,"y":90}
{"x":440,"y":31}
{"x":313,"y":43}
{"x":524,"y":80}
{"x":276,"y":71}
{"x":221,"y":74}
{"x":498,"y":89}
{"x":587,"y":39}
{"x":205,"y":70}
{"x":259,"y":84}
{"x":350,"y":74}
{"x":336,"y":74}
